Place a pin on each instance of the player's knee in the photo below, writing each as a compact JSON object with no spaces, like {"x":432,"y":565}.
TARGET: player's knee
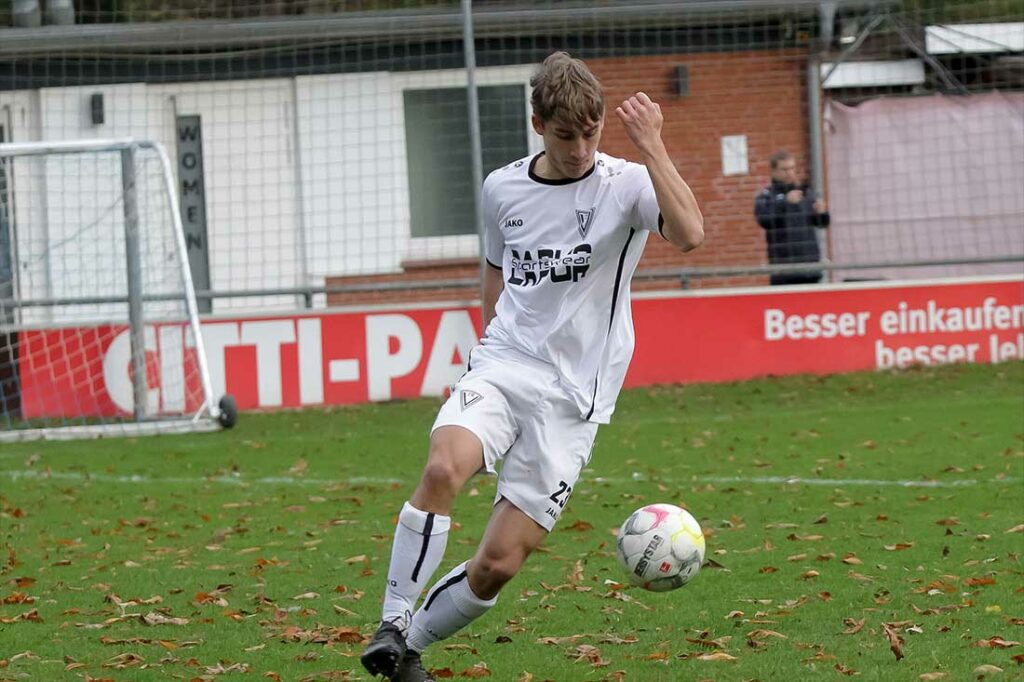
{"x":488,"y":573}
{"x":442,"y":476}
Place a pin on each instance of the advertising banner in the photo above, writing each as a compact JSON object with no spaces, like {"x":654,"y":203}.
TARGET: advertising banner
{"x":342,"y":357}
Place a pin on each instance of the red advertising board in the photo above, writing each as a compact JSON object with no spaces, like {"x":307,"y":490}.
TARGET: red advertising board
{"x":340,"y":357}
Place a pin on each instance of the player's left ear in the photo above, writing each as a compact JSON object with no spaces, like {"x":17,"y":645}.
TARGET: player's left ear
{"x":538,"y":125}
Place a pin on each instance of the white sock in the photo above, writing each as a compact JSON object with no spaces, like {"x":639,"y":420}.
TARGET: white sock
{"x":417,"y":550}
{"x":450,"y":606}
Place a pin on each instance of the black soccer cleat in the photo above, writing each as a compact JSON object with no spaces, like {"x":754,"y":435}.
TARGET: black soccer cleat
{"x":411,"y":669}
{"x":385,"y":651}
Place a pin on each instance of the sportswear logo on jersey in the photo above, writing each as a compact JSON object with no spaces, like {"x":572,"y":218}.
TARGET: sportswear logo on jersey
{"x":513,"y":222}
{"x":583,"y":220}
{"x":469,"y":398}
{"x":530,"y":269}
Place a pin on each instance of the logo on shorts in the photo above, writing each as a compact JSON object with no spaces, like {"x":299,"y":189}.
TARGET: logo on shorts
{"x":469,"y":398}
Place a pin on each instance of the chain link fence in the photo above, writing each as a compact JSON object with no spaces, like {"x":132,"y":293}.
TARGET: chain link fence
{"x":324,"y":157}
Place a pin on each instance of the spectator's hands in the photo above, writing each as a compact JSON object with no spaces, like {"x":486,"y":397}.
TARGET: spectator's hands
{"x":642,"y":120}
{"x":820,"y":206}
{"x":795,"y":196}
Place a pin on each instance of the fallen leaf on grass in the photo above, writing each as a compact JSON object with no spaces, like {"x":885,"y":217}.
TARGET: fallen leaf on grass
{"x":32,"y":616}
{"x":985,"y":580}
{"x":935,"y":587}
{"x":716,"y":656}
{"x":579,"y":526}
{"x":704,"y":641}
{"x":558,"y":641}
{"x":928,"y":677}
{"x":215,"y":596}
{"x":895,"y":640}
{"x":459,"y":647}
{"x":18,"y":598}
{"x":899,"y":546}
{"x":761,"y":634}
{"x":996,"y":643}
{"x":221,"y":669}
{"x":478,"y":670}
{"x":615,"y":639}
{"x":590,"y":654}
{"x":986,"y":669}
{"x":154,"y":618}
{"x":853,"y":626}
{"x":845,"y":670}
{"x":622,"y":596}
{"x":1019,"y":528}
{"x":938,"y":610}
{"x":127,"y":660}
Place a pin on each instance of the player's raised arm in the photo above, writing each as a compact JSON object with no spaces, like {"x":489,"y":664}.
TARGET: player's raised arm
{"x":684,"y":224}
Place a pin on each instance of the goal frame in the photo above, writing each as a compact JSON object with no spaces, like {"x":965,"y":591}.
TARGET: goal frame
{"x":211,"y":414}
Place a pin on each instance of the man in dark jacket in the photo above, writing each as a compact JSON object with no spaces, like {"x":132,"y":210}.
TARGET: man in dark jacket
{"x":789,"y":212}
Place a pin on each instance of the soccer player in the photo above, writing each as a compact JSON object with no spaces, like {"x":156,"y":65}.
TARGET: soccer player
{"x":564,"y":231}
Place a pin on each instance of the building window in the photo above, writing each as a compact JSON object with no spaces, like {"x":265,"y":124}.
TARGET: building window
{"x":438,"y":153}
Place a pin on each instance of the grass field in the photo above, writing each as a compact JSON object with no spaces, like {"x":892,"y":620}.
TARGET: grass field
{"x":851,"y":521}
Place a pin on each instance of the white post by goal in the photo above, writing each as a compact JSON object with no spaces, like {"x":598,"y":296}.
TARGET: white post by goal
{"x":99,"y":326}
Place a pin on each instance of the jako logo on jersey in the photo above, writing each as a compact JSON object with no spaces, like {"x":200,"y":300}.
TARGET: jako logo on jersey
{"x":531,"y":269}
{"x":583,"y":220}
{"x":513,"y":222}
{"x":469,"y":398}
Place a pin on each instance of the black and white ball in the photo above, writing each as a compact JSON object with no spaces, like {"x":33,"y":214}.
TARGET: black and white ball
{"x":661,"y":546}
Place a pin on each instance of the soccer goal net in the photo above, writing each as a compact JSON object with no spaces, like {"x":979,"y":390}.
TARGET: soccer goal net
{"x":99,"y":331}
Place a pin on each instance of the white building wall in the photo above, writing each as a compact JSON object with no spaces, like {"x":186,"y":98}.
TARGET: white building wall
{"x":248,"y":163}
{"x":305,"y":178}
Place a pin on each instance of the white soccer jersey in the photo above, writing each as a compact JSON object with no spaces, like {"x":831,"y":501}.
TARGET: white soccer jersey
{"x":567,"y":250}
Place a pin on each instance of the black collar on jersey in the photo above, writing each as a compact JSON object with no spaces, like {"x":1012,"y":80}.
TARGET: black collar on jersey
{"x":563,"y":181}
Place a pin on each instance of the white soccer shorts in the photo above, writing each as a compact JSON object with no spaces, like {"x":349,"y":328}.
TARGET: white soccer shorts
{"x":524,"y":419}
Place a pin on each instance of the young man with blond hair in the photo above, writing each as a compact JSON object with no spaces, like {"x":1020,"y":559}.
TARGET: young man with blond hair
{"x":564,"y":231}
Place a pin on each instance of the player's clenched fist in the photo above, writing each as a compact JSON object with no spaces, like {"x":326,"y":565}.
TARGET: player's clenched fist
{"x":642,"y":120}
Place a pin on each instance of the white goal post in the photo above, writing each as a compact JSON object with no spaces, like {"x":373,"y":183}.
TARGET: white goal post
{"x":99,"y":326}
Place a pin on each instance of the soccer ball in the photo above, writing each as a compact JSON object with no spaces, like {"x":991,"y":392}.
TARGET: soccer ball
{"x":661,"y":547}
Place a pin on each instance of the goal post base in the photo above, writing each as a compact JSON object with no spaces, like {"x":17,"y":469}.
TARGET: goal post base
{"x":121,"y":430}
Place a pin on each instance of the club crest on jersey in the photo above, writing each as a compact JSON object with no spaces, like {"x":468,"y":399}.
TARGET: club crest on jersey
{"x":583,"y":220}
{"x":469,"y":398}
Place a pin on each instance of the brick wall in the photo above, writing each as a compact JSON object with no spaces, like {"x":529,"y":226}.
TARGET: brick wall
{"x":757,"y":94}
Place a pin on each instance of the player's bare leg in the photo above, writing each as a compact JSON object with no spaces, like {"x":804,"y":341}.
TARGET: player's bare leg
{"x":420,"y":538}
{"x":510,"y":537}
{"x":471,"y":588}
